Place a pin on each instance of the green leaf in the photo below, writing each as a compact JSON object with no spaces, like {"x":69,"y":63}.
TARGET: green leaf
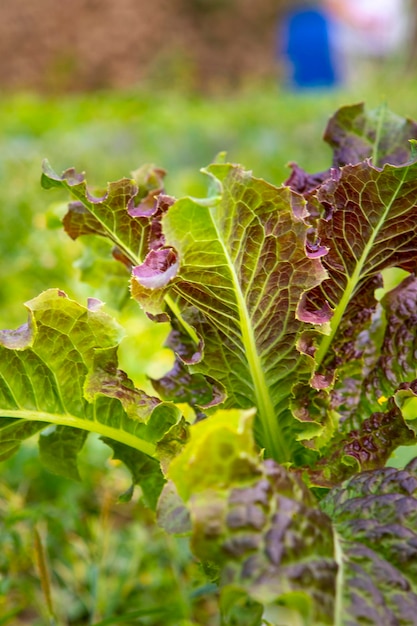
{"x":243,"y":272}
{"x":61,"y":369}
{"x":146,"y":471}
{"x":59,"y":448}
{"x":13,"y":432}
{"x":221,"y":452}
{"x":238,"y":282}
{"x":238,"y":609}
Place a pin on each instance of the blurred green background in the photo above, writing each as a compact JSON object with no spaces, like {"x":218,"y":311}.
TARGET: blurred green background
{"x":108,"y":562}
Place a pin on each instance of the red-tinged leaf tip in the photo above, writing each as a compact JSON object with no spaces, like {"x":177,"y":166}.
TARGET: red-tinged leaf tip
{"x":318,"y":316}
{"x":94,"y":304}
{"x":146,"y":208}
{"x":302,"y":182}
{"x":314,"y":250}
{"x":153,"y":204}
{"x":159,"y":267}
{"x":18,"y":339}
{"x":322,"y":381}
{"x":307,"y":344}
{"x":72,"y":177}
{"x":183,"y":345}
{"x":95,"y":199}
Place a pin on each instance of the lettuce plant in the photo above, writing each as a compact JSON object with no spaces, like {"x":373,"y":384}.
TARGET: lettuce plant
{"x":293,"y":324}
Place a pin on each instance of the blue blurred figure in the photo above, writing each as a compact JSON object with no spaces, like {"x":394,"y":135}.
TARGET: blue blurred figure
{"x":305,"y":42}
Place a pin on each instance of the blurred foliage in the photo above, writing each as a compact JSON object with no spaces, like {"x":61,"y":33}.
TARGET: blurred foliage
{"x":108,"y":562}
{"x":110,"y":134}
{"x":106,"y":559}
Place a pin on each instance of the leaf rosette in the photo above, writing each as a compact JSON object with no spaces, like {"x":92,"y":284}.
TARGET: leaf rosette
{"x":298,"y":371}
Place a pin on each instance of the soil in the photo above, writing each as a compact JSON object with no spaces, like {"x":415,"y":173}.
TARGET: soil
{"x":93,"y":44}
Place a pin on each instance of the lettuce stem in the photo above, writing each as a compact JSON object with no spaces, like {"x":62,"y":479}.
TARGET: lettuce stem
{"x":273,"y":440}
{"x":122,"y":436}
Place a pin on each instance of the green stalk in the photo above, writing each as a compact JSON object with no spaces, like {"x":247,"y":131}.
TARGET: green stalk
{"x":91,"y":426}
{"x":273,"y":437}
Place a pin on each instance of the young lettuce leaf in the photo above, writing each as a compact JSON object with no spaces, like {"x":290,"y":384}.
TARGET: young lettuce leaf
{"x":60,"y":370}
{"x":356,"y":134}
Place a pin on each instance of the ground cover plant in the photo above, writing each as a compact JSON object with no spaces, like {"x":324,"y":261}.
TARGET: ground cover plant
{"x":292,"y":314}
